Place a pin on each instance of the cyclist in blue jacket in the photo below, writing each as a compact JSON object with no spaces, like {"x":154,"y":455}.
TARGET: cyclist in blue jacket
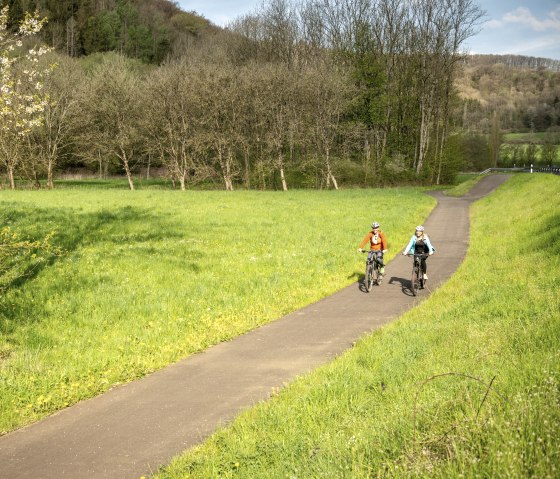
{"x":420,"y":244}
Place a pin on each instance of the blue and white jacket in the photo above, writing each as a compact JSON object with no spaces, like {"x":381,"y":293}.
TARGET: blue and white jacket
{"x":412,"y":243}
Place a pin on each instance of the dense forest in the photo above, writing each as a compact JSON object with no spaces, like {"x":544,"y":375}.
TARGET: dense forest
{"x":297,"y":94}
{"x":149,"y":30}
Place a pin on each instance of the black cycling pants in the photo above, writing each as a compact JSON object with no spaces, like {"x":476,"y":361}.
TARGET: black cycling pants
{"x":423,"y":261}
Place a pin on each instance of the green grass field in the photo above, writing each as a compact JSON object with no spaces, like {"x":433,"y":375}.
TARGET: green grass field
{"x":466,"y":385}
{"x":149,"y":277}
{"x":529,"y":137}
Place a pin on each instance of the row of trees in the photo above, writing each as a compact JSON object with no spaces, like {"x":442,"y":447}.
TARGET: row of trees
{"x":404,"y":57}
{"x":200,"y":121}
{"x":517,"y":62}
{"x":300,"y":93}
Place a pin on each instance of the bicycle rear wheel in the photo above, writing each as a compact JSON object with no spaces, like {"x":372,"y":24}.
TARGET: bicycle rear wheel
{"x":378,"y":276}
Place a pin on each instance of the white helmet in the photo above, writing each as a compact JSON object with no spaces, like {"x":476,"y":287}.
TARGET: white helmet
{"x":420,"y":228}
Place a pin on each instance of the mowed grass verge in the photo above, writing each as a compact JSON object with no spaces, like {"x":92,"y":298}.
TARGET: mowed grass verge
{"x":150,"y":277}
{"x":465,"y":385}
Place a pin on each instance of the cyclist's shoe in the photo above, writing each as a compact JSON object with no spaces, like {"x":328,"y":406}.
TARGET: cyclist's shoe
{"x":425,"y":276}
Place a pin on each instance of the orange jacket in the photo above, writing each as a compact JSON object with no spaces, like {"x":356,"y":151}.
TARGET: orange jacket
{"x":376,"y":244}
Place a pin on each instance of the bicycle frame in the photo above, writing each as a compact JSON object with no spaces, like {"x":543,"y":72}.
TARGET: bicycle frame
{"x":417,"y":281}
{"x":372,"y":269}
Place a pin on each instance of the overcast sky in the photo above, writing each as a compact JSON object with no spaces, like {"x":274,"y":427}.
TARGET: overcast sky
{"x":519,"y":27}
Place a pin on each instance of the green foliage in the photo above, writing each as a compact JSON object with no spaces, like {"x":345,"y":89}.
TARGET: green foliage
{"x":190,"y":22}
{"x":549,"y":154}
{"x":139,"y":28}
{"x":149,"y":278}
{"x":454,"y":160}
{"x":367,"y":106}
{"x":102,"y":33}
{"x":474,"y":150}
{"x":21,"y":258}
{"x":525,"y":148}
{"x":465,"y":385}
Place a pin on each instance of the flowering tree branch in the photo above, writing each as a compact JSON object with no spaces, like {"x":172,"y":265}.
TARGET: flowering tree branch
{"x":22,"y":96}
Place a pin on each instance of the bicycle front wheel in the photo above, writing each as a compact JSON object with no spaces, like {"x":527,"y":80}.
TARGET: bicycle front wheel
{"x":369,"y":277}
{"x":415,"y":280}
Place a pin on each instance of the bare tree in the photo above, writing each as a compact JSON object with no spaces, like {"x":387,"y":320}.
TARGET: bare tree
{"x":53,"y":138}
{"x":112,"y":108}
{"x":326,"y":94}
{"x":279,"y":115}
{"x":173,"y":126}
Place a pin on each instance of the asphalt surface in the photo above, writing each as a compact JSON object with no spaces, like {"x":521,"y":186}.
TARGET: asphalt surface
{"x":131,"y":430}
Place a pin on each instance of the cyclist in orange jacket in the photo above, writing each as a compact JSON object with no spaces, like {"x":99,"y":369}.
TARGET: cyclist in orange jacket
{"x":377,"y":245}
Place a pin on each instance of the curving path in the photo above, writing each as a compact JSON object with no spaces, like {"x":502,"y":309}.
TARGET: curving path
{"x":131,"y":430}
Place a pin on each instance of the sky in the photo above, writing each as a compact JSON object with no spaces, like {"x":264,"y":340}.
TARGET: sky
{"x":518,"y":27}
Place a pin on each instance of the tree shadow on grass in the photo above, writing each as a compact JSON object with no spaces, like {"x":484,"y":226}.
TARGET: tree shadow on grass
{"x":547,"y":238}
{"x":73,"y":230}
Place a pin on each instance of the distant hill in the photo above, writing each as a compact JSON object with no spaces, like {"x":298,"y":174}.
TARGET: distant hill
{"x":149,"y":30}
{"x":515,"y":61}
{"x":524,"y":93}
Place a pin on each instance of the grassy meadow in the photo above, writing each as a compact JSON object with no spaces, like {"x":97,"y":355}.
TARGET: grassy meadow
{"x":530,"y":137}
{"x":152,"y":276}
{"x":467,"y":384}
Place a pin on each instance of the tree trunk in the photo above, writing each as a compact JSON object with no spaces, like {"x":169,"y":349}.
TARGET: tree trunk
{"x":367,"y":158}
{"x":330,"y":175}
{"x":282,"y":174}
{"x":124,"y":158}
{"x":247,"y":168}
{"x":11,"y":176}
{"x":50,"y":182}
{"x":100,"y":165}
{"x":424,"y":137}
{"x":229,"y":164}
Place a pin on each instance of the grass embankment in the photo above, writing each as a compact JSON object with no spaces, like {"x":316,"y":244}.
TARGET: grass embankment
{"x":152,"y":276}
{"x":465,"y":385}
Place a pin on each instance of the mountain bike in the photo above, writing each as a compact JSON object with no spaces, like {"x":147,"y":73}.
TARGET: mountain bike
{"x":417,"y":281}
{"x":373,"y":270}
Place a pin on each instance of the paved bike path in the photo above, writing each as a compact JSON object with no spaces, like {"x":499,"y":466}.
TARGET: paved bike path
{"x":131,"y":430}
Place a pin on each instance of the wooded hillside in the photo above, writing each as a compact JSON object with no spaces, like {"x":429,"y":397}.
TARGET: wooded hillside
{"x":524,"y":96}
{"x":149,"y":30}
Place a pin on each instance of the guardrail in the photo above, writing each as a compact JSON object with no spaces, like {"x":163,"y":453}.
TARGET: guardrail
{"x":555,"y":170}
